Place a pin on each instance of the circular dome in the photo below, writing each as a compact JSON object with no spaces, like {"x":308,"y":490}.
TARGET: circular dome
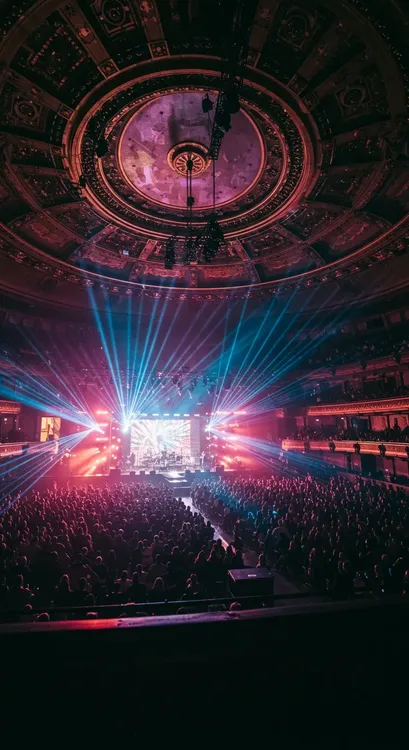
{"x":265,"y":161}
{"x":158,"y":127}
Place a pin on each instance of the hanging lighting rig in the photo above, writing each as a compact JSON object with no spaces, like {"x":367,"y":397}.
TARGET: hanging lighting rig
{"x":206,"y":245}
{"x":235,"y":58}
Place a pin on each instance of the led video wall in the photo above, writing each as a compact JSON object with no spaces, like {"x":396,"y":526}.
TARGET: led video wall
{"x":151,"y":438}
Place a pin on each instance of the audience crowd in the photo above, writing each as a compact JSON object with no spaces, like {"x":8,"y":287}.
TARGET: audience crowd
{"x":137,"y":544}
{"x":90,"y":547}
{"x":338,"y":536}
{"x":376,"y":389}
{"x":359,"y":349}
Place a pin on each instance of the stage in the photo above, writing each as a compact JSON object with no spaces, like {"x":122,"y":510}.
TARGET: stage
{"x":180,"y":481}
{"x":164,"y":467}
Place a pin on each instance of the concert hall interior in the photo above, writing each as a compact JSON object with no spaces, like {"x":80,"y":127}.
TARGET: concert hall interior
{"x":204,"y":310}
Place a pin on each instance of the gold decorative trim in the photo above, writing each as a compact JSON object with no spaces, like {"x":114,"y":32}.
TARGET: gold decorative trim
{"x":360,"y":407}
{"x":179,"y":155}
{"x":9,"y":407}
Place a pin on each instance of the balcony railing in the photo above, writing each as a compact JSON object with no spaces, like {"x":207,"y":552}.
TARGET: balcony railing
{"x":16,"y":449}
{"x":347,"y":446}
{"x":374,"y":364}
{"x":385,"y":405}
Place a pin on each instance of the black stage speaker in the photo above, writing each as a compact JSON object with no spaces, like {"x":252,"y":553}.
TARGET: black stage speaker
{"x":115,"y":472}
{"x":219,"y":470}
{"x":251,"y":582}
{"x":142,"y":472}
{"x":132,"y":473}
{"x":152,"y":472}
{"x":197,"y":471}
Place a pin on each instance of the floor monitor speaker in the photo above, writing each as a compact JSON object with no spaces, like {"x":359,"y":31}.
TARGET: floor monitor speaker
{"x":251,"y":582}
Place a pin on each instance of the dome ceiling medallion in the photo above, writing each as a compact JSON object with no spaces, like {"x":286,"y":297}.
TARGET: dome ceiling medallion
{"x":312,"y":182}
{"x":182,"y":153}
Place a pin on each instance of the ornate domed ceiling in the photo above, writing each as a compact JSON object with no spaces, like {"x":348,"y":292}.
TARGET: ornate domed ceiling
{"x":311,"y":182}
{"x":154,"y":141}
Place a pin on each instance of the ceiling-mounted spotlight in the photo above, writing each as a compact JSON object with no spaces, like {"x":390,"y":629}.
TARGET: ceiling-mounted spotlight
{"x":177,"y":381}
{"x":207,"y":104}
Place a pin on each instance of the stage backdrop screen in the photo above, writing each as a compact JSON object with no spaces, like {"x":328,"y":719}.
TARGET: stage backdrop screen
{"x":150,"y":437}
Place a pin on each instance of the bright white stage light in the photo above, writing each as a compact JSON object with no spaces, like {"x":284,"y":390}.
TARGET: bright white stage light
{"x":126,"y":425}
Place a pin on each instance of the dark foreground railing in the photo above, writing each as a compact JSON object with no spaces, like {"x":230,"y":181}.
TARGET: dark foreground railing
{"x":315,"y":670}
{"x":171,"y":607}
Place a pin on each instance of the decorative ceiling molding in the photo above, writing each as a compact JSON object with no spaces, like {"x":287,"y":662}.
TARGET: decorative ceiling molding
{"x":150,"y":18}
{"x":10,"y":407}
{"x":360,"y":407}
{"x":326,"y":87}
{"x":88,"y":38}
{"x":263,"y":21}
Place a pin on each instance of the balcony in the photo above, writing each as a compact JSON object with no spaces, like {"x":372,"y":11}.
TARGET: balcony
{"x":373,"y":406}
{"x":398,"y":450}
{"x":8,"y":450}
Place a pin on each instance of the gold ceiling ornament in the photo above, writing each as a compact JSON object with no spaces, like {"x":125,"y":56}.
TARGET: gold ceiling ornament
{"x":179,"y":155}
